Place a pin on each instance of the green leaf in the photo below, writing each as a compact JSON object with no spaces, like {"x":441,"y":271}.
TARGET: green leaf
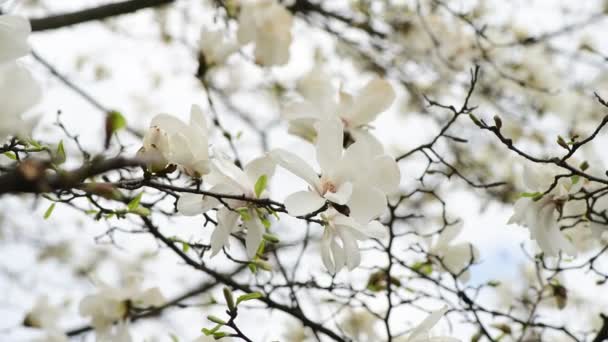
{"x":271,"y":238}
{"x":244,"y":214}
{"x":530,"y":194}
{"x":185,"y":247}
{"x":60,"y":154}
{"x":220,"y":334}
{"x":134,"y":203}
{"x":117,"y":121}
{"x":49,"y":211}
{"x":265,"y":221}
{"x":249,"y":296}
{"x":10,"y":155}
{"x":260,"y":185}
{"x":216,"y":319}
{"x":575,"y":179}
{"x":208,"y":332}
{"x":174,"y":338}
{"x":425,"y":267}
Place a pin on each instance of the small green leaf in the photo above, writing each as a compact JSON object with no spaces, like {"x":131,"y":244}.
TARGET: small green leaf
{"x":219,"y":335}
{"x":117,"y":121}
{"x":208,"y":332}
{"x":265,"y":221}
{"x":249,"y":296}
{"x":49,"y":211}
{"x":271,"y":238}
{"x":575,"y":179}
{"x":216,"y":319}
{"x":229,"y":299}
{"x":141,"y":211}
{"x":493,"y":283}
{"x":10,"y":155}
{"x":60,"y":154}
{"x":530,"y":194}
{"x":185,"y":247}
{"x":134,"y":203}
{"x":244,"y":214}
{"x":260,"y":185}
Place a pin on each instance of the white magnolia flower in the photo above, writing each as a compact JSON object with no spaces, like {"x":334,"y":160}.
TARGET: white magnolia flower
{"x":110,"y":305}
{"x":268,"y":24}
{"x":227,"y":178}
{"x":454,"y":257}
{"x":357,"y":177}
{"x":422,"y":332}
{"x":172,"y":141}
{"x":14,"y":31}
{"x":339,"y":246}
{"x":215,"y":46}
{"x":540,"y":215}
{"x":19,"y":92}
{"x":43,"y":315}
{"x":322,"y":101}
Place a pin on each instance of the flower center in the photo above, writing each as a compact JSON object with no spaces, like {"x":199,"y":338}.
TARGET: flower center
{"x":327,"y":185}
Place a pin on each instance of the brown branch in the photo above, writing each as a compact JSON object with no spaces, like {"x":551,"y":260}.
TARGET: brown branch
{"x":91,"y":14}
{"x":33,"y":176}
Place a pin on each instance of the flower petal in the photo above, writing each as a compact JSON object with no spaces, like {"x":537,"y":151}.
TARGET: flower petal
{"x":329,"y":145}
{"x":342,"y":195}
{"x":297,"y":166}
{"x":14,"y":31}
{"x":303,"y":202}
{"x":226,"y":222}
{"x":376,"y":97}
{"x":366,"y":203}
{"x":255,"y":233}
{"x":195,"y":204}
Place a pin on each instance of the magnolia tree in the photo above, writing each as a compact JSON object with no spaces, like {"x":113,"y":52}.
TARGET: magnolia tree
{"x":303,"y":170}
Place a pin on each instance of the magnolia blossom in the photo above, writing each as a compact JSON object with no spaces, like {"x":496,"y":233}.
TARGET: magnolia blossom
{"x":171,"y":141}
{"x":454,"y":257}
{"x":14,"y":31}
{"x":215,"y":46}
{"x":46,"y":316}
{"x":110,"y":305}
{"x":422,"y":332}
{"x":227,"y":178}
{"x":357,"y":177}
{"x":321,"y":101}
{"x":268,"y":24}
{"x":19,"y":92}
{"x":540,"y":215}
{"x":339,"y":246}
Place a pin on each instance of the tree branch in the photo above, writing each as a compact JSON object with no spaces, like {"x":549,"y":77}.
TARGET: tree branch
{"x":91,"y":14}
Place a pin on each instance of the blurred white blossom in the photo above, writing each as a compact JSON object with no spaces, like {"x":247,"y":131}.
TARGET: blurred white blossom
{"x":267,"y":24}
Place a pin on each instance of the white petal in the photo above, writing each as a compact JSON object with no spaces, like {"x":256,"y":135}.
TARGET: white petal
{"x":264,"y":165}
{"x":234,"y":173}
{"x":342,"y":195}
{"x":376,"y":230}
{"x":428,"y":323}
{"x":385,"y":174}
{"x":297,"y":166}
{"x":303,"y":202}
{"x":338,"y":255}
{"x":326,"y":251}
{"x":329,"y":144}
{"x":449,"y":233}
{"x":350,"y":247}
{"x":227,"y":221}
{"x":19,"y":92}
{"x":194,"y":204}
{"x":366,"y":203}
{"x":14,"y":31}
{"x":376,"y":97}
{"x":255,"y":233}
